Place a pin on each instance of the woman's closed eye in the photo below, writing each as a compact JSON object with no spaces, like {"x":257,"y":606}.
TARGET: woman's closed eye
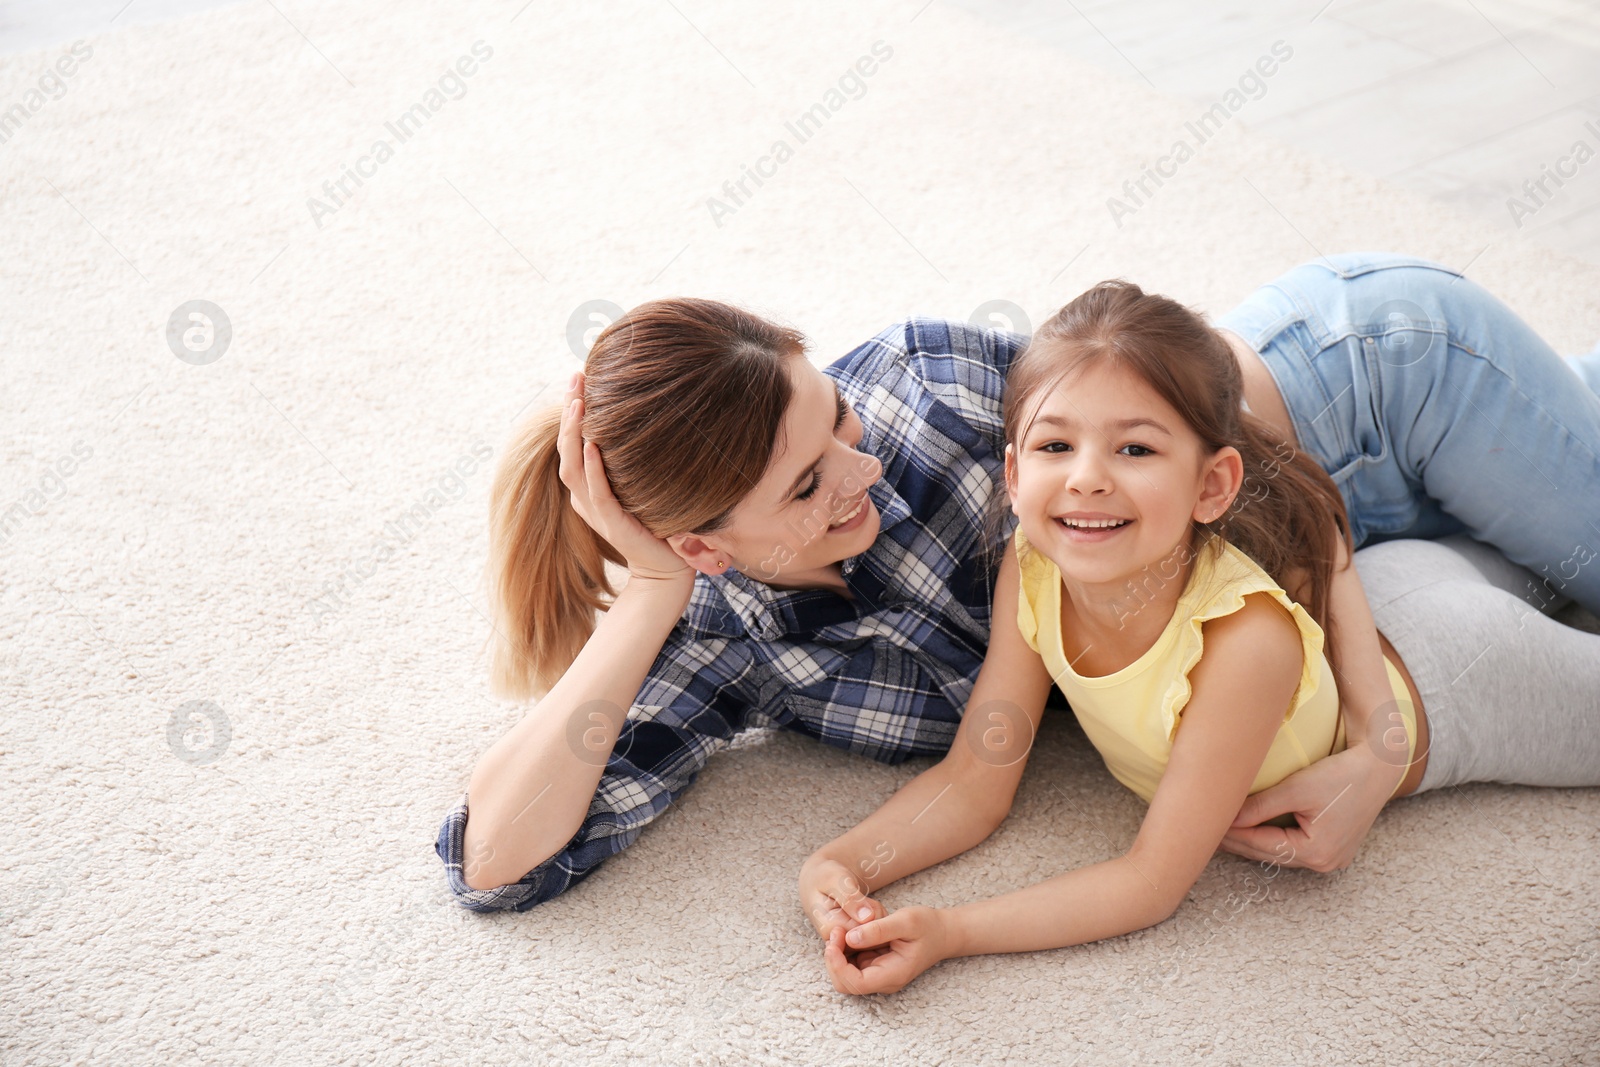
{"x":842,"y":412}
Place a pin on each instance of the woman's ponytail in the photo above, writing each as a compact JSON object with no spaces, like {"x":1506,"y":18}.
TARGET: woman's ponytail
{"x":546,"y":568}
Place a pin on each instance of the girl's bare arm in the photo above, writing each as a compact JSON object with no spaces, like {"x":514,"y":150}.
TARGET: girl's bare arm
{"x":960,"y":800}
{"x":1241,"y":691}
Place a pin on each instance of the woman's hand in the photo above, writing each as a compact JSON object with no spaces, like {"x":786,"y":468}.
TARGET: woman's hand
{"x":834,"y":898}
{"x":1335,"y":801}
{"x":887,"y":954}
{"x":584,"y":474}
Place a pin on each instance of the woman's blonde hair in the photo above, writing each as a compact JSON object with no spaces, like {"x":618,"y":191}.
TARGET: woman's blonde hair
{"x":685,"y":399}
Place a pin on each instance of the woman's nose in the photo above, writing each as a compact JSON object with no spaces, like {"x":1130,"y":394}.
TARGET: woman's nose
{"x":869,"y":468}
{"x":863,"y":468}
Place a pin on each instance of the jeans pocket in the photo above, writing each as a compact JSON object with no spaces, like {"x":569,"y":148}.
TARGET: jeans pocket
{"x":1378,"y":496}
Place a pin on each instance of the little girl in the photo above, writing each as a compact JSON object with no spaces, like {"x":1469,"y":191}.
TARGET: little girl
{"x":1172,"y":571}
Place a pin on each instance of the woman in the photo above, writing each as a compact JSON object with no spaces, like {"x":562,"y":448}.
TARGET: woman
{"x":806,"y":547}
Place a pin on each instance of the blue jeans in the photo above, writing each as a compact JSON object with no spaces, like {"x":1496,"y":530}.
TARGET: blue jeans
{"x":1437,"y":410}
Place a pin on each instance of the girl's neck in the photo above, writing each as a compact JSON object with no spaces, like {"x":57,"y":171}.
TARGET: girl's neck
{"x":1108,"y":625}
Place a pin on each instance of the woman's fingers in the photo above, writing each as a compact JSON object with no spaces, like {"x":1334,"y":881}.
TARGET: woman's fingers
{"x":1280,"y":799}
{"x":1265,"y":844}
{"x":1247,"y":842}
{"x":569,"y":446}
{"x":594,"y":472}
{"x":569,"y":441}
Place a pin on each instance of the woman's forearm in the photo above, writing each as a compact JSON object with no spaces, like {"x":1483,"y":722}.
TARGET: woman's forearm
{"x":1102,"y":900}
{"x":1366,"y":699}
{"x":531,"y":789}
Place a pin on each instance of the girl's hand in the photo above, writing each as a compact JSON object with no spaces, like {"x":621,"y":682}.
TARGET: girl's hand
{"x":834,"y":898}
{"x":885,"y":955}
{"x":584,"y":474}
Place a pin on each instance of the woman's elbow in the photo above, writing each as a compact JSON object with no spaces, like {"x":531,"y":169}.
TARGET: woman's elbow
{"x":493,"y":857}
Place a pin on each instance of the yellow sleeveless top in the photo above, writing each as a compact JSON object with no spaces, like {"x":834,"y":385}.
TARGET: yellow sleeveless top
{"x":1132,"y":715}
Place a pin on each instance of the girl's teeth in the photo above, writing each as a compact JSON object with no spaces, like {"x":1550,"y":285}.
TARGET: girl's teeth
{"x":1094,"y":524}
{"x":853,"y":513}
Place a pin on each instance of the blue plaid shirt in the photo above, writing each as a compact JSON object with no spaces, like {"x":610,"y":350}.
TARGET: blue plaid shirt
{"x":887,"y":674}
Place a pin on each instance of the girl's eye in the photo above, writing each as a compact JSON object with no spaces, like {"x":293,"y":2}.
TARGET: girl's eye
{"x":1055,"y":447}
{"x":1138,"y":450}
{"x":816,"y":483}
{"x":844,"y":412}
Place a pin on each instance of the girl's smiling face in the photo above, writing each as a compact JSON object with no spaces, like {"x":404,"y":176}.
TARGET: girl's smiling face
{"x":1107,"y":477}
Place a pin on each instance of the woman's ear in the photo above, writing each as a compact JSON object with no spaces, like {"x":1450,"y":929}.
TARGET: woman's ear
{"x":703,"y":555}
{"x":1220,"y":481}
{"x":1011,"y":477}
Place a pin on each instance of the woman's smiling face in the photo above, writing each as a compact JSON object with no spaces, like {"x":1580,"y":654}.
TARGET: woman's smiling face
{"x":1107,"y":476}
{"x":810,"y":509}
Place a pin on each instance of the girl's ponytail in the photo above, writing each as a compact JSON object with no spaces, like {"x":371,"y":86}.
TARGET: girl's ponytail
{"x":1287,"y":517}
{"x":546,"y":567}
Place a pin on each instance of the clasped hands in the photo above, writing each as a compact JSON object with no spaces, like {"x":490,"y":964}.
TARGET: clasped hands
{"x":867,"y":947}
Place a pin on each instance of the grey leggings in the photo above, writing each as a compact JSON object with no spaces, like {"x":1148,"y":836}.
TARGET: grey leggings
{"x":1510,"y":694}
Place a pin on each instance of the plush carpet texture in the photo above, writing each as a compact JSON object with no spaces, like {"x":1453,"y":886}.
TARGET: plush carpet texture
{"x":240,"y":621}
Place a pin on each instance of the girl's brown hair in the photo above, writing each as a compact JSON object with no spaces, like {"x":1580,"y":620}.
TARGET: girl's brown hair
{"x":1287,"y":515}
{"x":685,"y":399}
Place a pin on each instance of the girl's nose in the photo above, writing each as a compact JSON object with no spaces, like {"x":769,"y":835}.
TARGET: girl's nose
{"x":1088,"y":474}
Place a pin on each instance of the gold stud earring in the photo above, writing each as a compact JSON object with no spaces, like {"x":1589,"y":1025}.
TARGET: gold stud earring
{"x":720,"y":564}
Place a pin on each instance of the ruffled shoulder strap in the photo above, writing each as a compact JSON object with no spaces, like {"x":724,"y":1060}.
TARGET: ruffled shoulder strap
{"x":1036,"y":572}
{"x":1223,"y":576}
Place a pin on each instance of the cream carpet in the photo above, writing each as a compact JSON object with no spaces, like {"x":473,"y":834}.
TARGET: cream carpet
{"x":240,"y":621}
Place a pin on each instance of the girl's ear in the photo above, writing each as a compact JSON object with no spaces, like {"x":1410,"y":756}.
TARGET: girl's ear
{"x":1220,"y":481}
{"x":1011,"y":476}
{"x":703,"y":555}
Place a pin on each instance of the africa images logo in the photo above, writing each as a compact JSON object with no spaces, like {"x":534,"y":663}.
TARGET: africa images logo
{"x":451,"y":82}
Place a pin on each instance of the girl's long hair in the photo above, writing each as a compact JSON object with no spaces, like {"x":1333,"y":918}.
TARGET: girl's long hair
{"x":685,"y":399}
{"x":1288,"y":513}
